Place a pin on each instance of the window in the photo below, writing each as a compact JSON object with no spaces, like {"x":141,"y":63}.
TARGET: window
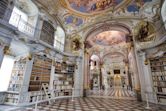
{"x":59,"y":39}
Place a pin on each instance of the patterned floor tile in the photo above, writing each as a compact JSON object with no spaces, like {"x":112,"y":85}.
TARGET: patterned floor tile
{"x":96,"y":104}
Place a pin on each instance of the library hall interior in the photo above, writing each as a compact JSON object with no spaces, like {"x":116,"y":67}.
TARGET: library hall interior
{"x":82,"y":55}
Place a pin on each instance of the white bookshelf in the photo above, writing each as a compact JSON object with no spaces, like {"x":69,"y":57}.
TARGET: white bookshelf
{"x":63,"y":79}
{"x":158,"y":68}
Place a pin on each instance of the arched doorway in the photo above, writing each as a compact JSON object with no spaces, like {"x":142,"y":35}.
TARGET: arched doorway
{"x":111,"y":75}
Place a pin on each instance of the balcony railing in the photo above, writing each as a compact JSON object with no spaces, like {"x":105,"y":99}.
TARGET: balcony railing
{"x":2,"y":97}
{"x":26,"y":28}
{"x":21,"y":25}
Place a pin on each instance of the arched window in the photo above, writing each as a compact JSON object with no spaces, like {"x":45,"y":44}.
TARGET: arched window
{"x":59,"y":39}
{"x":3,"y":7}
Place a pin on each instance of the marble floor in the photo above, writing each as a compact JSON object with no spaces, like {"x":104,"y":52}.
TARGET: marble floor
{"x":116,"y":92}
{"x":96,"y":104}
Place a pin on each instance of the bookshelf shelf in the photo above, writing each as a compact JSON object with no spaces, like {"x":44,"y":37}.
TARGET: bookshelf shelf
{"x":158,"y":69}
{"x":40,"y":72}
{"x":16,"y":82}
{"x":28,"y":77}
{"x":63,"y":79}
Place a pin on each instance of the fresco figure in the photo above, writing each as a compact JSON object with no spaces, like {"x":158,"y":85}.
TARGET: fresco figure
{"x":89,"y":6}
{"x":101,"y":5}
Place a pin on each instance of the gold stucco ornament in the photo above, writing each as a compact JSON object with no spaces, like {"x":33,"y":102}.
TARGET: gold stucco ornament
{"x":146,"y":62}
{"x":76,"y":43}
{"x":144,"y":31}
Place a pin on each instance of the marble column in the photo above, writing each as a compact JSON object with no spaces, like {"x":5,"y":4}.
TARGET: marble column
{"x":127,"y":73}
{"x":135,"y":70}
{"x":86,"y":71}
{"x":146,"y":79}
{"x":52,"y":77}
{"x":78,"y":78}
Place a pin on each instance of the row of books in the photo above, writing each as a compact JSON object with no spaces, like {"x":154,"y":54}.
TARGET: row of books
{"x":158,"y":68}
{"x":17,"y":75}
{"x":40,"y":72}
{"x":159,"y":78}
{"x":159,"y":83}
{"x":159,"y":73}
{"x":12,"y":98}
{"x":160,"y":90}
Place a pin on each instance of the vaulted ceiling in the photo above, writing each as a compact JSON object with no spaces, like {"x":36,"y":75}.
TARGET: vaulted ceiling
{"x":106,"y":25}
{"x":78,"y":15}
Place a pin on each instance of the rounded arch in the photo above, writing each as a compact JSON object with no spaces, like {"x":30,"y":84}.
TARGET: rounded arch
{"x":95,"y":57}
{"x":114,"y":53}
{"x":107,"y":27}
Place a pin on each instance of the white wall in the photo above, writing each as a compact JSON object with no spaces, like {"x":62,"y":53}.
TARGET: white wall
{"x":5,"y":72}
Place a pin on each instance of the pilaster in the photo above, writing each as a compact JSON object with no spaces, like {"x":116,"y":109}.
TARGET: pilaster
{"x":145,"y":79}
{"x":78,"y":78}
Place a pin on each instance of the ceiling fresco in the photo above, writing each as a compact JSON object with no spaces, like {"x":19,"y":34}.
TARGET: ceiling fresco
{"x":72,"y":20}
{"x":107,"y":43}
{"x":92,"y":6}
{"x":108,"y":38}
{"x":135,"y":5}
{"x":79,"y":15}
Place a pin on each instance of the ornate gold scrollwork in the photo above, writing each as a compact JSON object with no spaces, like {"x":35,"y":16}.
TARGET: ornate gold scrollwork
{"x":76,"y":43}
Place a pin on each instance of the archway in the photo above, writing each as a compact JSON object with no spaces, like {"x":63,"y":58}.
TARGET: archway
{"x":109,"y":49}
